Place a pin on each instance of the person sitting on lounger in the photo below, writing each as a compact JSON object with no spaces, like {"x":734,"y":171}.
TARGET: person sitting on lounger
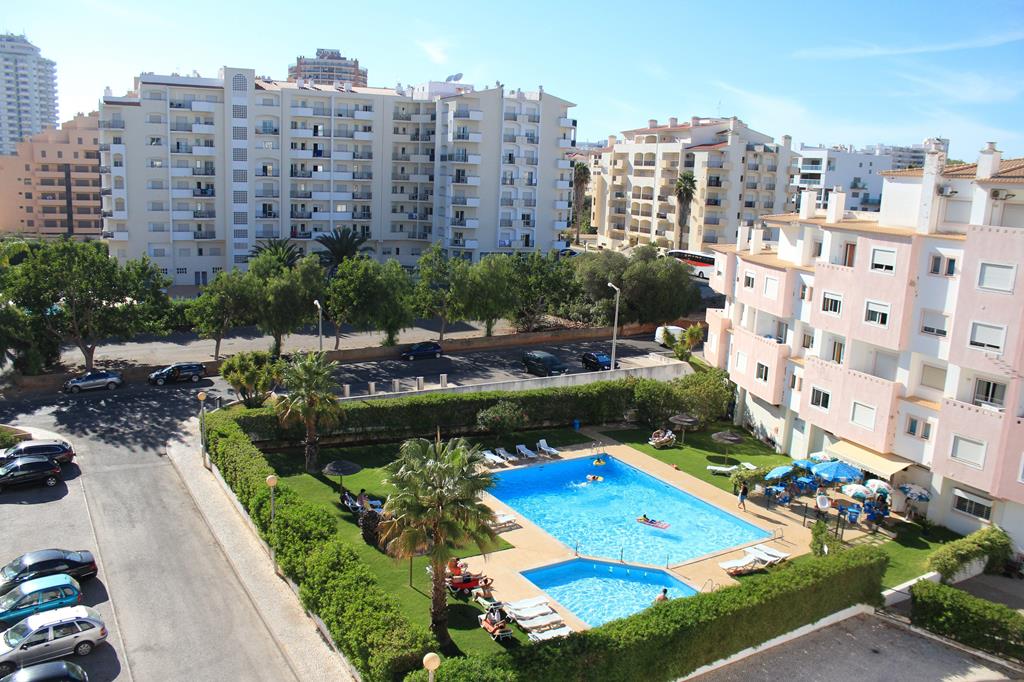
{"x":486,"y":590}
{"x":363,"y":499}
{"x":658,"y":435}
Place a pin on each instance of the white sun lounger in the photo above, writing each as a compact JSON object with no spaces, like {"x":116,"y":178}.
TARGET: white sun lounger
{"x":541,"y":622}
{"x":492,"y":458}
{"x":742,"y":562}
{"x":503,"y":520}
{"x":771,"y":551}
{"x":506,"y":455}
{"x":550,"y":634}
{"x":527,"y":614}
{"x":526,"y":452}
{"x":724,"y":471}
{"x":764,"y":557}
{"x":748,"y":466}
{"x":523,"y":604}
{"x":543,"y":446}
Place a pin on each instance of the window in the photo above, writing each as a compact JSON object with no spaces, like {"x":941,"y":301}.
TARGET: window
{"x":238,"y":83}
{"x":863,"y":415}
{"x":883,"y":260}
{"x":808,"y":340}
{"x":926,"y":430}
{"x":816,"y":249}
{"x":971,"y":504}
{"x":987,"y":336}
{"x":913,"y":424}
{"x":741,"y":361}
{"x":761,"y":372}
{"x":996,"y":277}
{"x":820,"y":398}
{"x":933,"y":377}
{"x":944,"y":267}
{"x":968,"y":451}
{"x":877,"y":313}
{"x":771,"y":287}
{"x":831,"y":303}
{"x":805,"y":292}
{"x":239,"y":111}
{"x":933,"y":322}
{"x":838,"y":348}
{"x":748,"y":280}
{"x":989,"y":393}
{"x":64,"y":630}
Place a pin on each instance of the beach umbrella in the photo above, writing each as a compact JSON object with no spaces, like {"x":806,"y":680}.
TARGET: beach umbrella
{"x":915,"y":492}
{"x":836,"y":472}
{"x":804,"y":463}
{"x":727,"y":438}
{"x":879,"y":486}
{"x":341,"y":468}
{"x":779,"y":472}
{"x":820,"y":457}
{"x":687,"y":421}
{"x":857,"y":491}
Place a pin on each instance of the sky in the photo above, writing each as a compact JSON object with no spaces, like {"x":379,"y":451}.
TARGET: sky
{"x":826,"y":73}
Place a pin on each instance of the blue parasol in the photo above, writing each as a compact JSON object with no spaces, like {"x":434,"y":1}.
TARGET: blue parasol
{"x":779,"y":472}
{"x":836,"y":472}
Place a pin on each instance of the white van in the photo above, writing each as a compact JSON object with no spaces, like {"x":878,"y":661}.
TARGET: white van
{"x":659,"y":334}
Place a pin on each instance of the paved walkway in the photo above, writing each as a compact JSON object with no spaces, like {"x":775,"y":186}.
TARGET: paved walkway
{"x":294,"y":632}
{"x":997,"y":588}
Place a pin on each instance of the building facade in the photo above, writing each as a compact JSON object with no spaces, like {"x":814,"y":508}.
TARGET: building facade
{"x":905,"y":156}
{"x":740,"y":175}
{"x":327,"y":68}
{"x":51,"y":186}
{"x":858,"y":174}
{"x":893,"y":340}
{"x":29,"y":100}
{"x":200,"y":169}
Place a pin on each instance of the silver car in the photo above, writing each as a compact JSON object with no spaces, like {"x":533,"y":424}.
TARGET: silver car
{"x":52,"y":634}
{"x":94,"y":379}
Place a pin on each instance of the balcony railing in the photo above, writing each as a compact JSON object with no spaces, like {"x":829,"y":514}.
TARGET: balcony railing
{"x":299,"y":194}
{"x":301,"y":173}
{"x":267,"y":174}
{"x":203,"y":192}
{"x":205,"y":234}
{"x":204,"y":214}
{"x":301,"y":215}
{"x":268,"y":131}
{"x":111,"y":124}
{"x":268,"y":214}
{"x":208,"y":170}
{"x":267,"y":194}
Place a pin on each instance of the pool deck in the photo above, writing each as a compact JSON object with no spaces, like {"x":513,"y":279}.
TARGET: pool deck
{"x":533,"y":547}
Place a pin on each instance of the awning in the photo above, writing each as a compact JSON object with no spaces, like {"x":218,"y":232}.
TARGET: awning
{"x":883,"y":465}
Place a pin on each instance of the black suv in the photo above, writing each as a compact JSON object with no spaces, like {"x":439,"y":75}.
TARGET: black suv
{"x":59,"y":450}
{"x":29,"y":469}
{"x":543,"y":364}
{"x":179,"y":371}
{"x":79,"y":565}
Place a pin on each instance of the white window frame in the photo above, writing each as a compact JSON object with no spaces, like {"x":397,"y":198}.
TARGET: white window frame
{"x":1013,"y":277}
{"x":925,"y":365}
{"x":758,"y":372}
{"x":913,"y":425}
{"x":867,"y":311}
{"x":825,"y":295}
{"x":753,"y":280}
{"x":820,"y":392}
{"x":741,"y":361}
{"x":970,"y":335}
{"x":874,"y":415}
{"x":975,"y":500}
{"x":966,"y":462}
{"x":885,"y":269}
{"x":931,"y":330}
{"x":774,"y":294}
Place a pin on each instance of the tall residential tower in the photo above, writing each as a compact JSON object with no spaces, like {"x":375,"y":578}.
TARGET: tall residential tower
{"x":28,"y":101}
{"x":327,"y":68}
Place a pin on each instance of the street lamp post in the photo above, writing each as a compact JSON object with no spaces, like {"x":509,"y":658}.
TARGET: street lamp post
{"x":320,"y":322}
{"x":431,"y":662}
{"x":202,"y":425}
{"x":615,"y":324}
{"x":272,"y":484}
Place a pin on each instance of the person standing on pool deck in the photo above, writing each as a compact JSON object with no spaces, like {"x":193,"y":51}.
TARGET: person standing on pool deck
{"x":744,"y":491}
{"x":663,"y":596}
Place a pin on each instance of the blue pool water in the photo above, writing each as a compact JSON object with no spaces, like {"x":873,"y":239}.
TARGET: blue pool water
{"x":600,"y":517}
{"x":597,"y":592}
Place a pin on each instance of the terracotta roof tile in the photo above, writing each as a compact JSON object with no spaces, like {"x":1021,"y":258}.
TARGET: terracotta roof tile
{"x":711,"y":145}
{"x":1010,"y":170}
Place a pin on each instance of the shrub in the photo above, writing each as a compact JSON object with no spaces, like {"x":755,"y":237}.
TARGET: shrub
{"x":991,"y":543}
{"x":819,"y":537}
{"x":7,"y":439}
{"x":673,"y":639}
{"x":749,"y":476}
{"x":470,"y":669}
{"x":656,"y":401}
{"x":251,"y":375}
{"x":965,"y":618}
{"x":299,"y":528}
{"x":369,"y":521}
{"x":501,"y":419}
{"x":705,"y":395}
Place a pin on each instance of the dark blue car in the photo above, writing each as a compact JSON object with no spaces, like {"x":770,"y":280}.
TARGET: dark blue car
{"x":426,"y":349}
{"x":596,"y":361}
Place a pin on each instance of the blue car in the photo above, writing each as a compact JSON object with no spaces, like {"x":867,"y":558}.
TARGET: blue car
{"x":426,"y":349}
{"x":38,"y":595}
{"x":597,"y":361}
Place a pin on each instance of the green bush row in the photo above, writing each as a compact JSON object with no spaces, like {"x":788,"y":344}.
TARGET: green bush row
{"x":975,"y":622}
{"x":334,"y":583}
{"x":990,"y":543}
{"x":672,"y":639}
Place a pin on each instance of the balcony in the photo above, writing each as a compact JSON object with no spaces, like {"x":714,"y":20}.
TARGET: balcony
{"x":473,"y":180}
{"x":563,"y":184}
{"x":302,"y":111}
{"x":467,"y":137}
{"x":470,"y":201}
{"x":469,"y":114}
{"x":203,"y":150}
{"x":267,"y":234}
{"x":296,"y":173}
{"x":207,"y":107}
{"x":361,"y":115}
{"x":300,"y":153}
{"x":567,"y":122}
{"x":362,"y":175}
{"x":267,"y":194}
{"x":716,"y":350}
{"x":300,"y":215}
{"x":267,"y":131}
{"x":362,"y":135}
{"x":204,"y":128}
{"x":300,"y":194}
{"x":204,"y":234}
{"x":561,"y":225}
{"x":204,"y":215}
{"x":301,"y":132}
{"x":113,"y":125}
{"x":203,"y":192}
{"x":267,"y":174}
{"x":565,"y":143}
{"x":561,"y":205}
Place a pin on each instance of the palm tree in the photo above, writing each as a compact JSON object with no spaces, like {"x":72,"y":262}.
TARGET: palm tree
{"x":310,"y":400}
{"x":686,"y":188}
{"x":282,"y":249}
{"x":339,"y":246}
{"x":580,"y":180}
{"x":693,"y":336}
{"x":436,"y":510}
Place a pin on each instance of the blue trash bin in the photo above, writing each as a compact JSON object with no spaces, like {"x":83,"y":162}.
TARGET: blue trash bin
{"x":576,"y":424}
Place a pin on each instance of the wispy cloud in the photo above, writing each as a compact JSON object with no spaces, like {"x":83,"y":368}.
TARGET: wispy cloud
{"x":436,"y":50}
{"x":868,"y":50}
{"x":966,"y":86}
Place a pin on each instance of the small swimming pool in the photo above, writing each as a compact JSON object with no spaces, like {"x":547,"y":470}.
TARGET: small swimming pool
{"x":597,"y":592}
{"x":598,"y":519}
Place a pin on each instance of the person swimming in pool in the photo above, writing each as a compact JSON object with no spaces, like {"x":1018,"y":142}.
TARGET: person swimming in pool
{"x":644,"y":519}
{"x":592,"y":478}
{"x":599,"y":462}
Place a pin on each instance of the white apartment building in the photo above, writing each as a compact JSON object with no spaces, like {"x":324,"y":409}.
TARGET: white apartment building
{"x":893,"y":340}
{"x":824,"y":169}
{"x":28,"y":102}
{"x":200,"y":169}
{"x":740,"y":174}
{"x":905,"y":156}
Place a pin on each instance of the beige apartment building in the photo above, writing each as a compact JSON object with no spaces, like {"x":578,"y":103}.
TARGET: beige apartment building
{"x":740,"y":174}
{"x":50,"y":187}
{"x":327,"y":68}
{"x":201,"y":169}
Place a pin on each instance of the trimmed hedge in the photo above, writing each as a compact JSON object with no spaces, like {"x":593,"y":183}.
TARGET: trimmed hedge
{"x":990,"y":543}
{"x":978,"y":623}
{"x":334,"y":583}
{"x":672,"y":639}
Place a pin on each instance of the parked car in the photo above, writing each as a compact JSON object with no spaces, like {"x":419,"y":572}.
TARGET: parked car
{"x":39,"y":594}
{"x":54,"y":671}
{"x":29,"y":469}
{"x":53,"y":634}
{"x":59,"y":450}
{"x":95,"y":379}
{"x":659,"y":334}
{"x":78,"y":564}
{"x":426,"y":349}
{"x":543,"y":363}
{"x":597,"y":360}
{"x":179,"y":371}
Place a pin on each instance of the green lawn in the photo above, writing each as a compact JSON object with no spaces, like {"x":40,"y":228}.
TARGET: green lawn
{"x":394,"y":575}
{"x":699,"y":451}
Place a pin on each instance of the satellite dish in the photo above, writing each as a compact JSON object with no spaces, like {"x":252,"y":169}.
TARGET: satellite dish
{"x":454,"y":77}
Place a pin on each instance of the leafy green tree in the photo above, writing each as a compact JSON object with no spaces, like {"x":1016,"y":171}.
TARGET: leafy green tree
{"x":501,"y":419}
{"x":685,"y":189}
{"x":352,"y":294}
{"x":74,"y":290}
{"x":489,"y":281}
{"x":537,"y":283}
{"x":251,"y":375}
{"x":339,"y":246}
{"x":580,"y":180}
{"x":436,"y":510}
{"x":310,"y":400}
{"x":693,"y":336}
{"x":656,"y":401}
{"x":225,"y":302}
{"x":441,"y":287}
{"x":705,"y":395}
{"x":286,"y":253}
{"x":658,"y":290}
{"x":392,"y":310}
{"x":14,"y":335}
{"x":284,"y":296}
{"x":593,"y":271}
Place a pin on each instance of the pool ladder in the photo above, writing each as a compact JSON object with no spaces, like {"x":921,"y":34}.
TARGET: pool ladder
{"x":711,"y":584}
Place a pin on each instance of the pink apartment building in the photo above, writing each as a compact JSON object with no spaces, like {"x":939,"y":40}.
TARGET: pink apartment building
{"x":891,"y":339}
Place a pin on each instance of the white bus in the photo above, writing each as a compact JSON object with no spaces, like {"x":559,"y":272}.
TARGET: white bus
{"x":703,"y":264}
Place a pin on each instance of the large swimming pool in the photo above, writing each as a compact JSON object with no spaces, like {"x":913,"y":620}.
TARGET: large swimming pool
{"x":598,"y":591}
{"x":598,"y":519}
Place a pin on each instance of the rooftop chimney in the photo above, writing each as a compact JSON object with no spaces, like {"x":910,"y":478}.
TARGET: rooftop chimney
{"x":787,"y":141}
{"x":299,"y":82}
{"x":931,"y":175}
{"x":673,"y":122}
{"x":652,"y":122}
{"x":348,"y":86}
{"x":808,"y":200}
{"x":612,"y":140}
{"x":988,"y":161}
{"x":756,"y":240}
{"x":836,"y":206}
{"x":694,"y":120}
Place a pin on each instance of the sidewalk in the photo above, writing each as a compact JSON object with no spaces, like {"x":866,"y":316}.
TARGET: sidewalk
{"x":294,"y":632}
